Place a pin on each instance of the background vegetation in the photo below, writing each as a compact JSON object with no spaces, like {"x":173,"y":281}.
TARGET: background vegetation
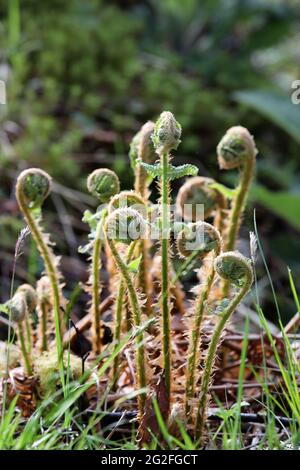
{"x":83,"y":76}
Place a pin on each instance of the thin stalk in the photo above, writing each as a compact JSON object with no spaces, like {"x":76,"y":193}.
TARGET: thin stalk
{"x":119,"y":310}
{"x":236,"y":212}
{"x":95,"y":308}
{"x":24,"y":351}
{"x":194,"y":346}
{"x":53,"y":278}
{"x":184,"y":266}
{"x":144,"y":281}
{"x":137,"y":318}
{"x":165,"y":283}
{"x":239,"y":204}
{"x":28,"y":334}
{"x":211,"y":357}
{"x":44,"y":311}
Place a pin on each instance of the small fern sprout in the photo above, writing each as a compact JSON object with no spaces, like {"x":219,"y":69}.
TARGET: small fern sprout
{"x":31,"y":301}
{"x":29,"y":295}
{"x":237,"y":150}
{"x":236,"y":269}
{"x":142,"y":150}
{"x":132,"y":200}
{"x":135,"y":201}
{"x":204,"y":240}
{"x":17,"y":309}
{"x":126,"y":226}
{"x":33,"y":187}
{"x":103,"y":184}
{"x":197,"y":192}
{"x":166,"y":134}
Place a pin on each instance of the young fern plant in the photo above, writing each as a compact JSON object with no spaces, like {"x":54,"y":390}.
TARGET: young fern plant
{"x":103,"y":184}
{"x":197,"y":199}
{"x":142,"y":150}
{"x":205,"y":240}
{"x":237,"y":150}
{"x":237,"y":270}
{"x":126,"y":226}
{"x":18,"y":312}
{"x":33,"y":187}
{"x":123,"y":200}
{"x":166,"y":137}
{"x":30,"y":298}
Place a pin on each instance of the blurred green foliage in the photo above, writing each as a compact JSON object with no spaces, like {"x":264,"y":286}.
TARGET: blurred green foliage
{"x":75,"y":66}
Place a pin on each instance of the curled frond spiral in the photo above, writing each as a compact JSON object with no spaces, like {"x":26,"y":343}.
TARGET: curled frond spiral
{"x":235,"y":268}
{"x":200,"y":237}
{"x":30,"y":296}
{"x":17,"y":307}
{"x":197,"y":191}
{"x":35,"y":186}
{"x":236,"y":148}
{"x":103,"y":184}
{"x":125,"y":226}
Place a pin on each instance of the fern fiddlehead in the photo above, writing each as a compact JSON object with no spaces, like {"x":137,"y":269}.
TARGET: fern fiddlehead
{"x":236,"y":269}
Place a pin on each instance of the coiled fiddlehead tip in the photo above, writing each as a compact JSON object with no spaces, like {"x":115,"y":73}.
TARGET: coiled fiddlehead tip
{"x":29,"y":295}
{"x":199,"y":236}
{"x":103,"y":184}
{"x":234,"y":267}
{"x":236,"y":148}
{"x":128,"y":199}
{"x":17,"y":307}
{"x":33,"y":185}
{"x":125,"y":226}
{"x":167,"y":132}
{"x":197,"y":191}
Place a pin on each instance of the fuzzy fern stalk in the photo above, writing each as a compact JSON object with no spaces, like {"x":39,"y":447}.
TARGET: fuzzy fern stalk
{"x":204,"y":239}
{"x":119,"y":305}
{"x":44,"y":307}
{"x":237,"y":150}
{"x":103,"y":184}
{"x":124,"y":200}
{"x":126,"y":226}
{"x":166,"y":136}
{"x":237,"y":270}
{"x":18,"y":312}
{"x":33,"y":187}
